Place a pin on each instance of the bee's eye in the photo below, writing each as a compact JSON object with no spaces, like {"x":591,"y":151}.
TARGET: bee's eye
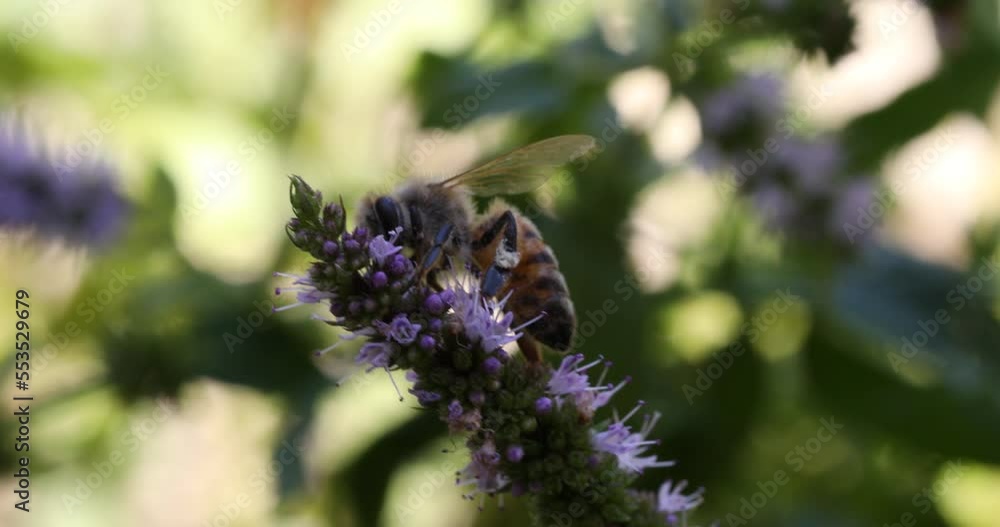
{"x":387,"y":212}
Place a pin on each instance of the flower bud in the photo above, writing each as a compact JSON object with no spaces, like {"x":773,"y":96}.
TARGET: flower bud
{"x":492,"y":365}
{"x":333,"y":217}
{"x":515,"y":453}
{"x":434,"y":304}
{"x":543,"y":405}
{"x":306,"y":202}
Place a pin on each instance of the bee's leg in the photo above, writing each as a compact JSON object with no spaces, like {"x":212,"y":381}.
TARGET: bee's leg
{"x":529,"y":348}
{"x":434,"y":254}
{"x":506,"y":256}
{"x":432,"y":280}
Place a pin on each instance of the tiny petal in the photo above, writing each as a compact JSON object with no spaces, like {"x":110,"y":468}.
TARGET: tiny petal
{"x":515,"y":453}
{"x":402,"y":330}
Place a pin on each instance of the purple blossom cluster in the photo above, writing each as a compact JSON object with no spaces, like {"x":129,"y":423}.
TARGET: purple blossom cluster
{"x":529,"y":428}
{"x":78,"y":205}
{"x":798,"y":185}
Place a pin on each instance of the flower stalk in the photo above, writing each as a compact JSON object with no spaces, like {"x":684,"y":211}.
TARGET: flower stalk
{"x":530,"y":428}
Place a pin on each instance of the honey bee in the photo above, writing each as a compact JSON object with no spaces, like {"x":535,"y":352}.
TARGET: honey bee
{"x":439,"y":224}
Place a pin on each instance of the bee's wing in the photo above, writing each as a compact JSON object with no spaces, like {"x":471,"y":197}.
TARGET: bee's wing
{"x":524,"y":169}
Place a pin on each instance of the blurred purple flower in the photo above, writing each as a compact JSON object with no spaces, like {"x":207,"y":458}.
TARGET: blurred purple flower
{"x":776,"y":206}
{"x":71,"y":201}
{"x":810,"y":165}
{"x":756,"y":99}
{"x":851,"y":207}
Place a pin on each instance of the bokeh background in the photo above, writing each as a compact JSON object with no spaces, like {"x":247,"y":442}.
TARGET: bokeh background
{"x":788,"y":240}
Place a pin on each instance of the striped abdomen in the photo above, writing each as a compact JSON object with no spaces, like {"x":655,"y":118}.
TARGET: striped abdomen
{"x":535,"y":286}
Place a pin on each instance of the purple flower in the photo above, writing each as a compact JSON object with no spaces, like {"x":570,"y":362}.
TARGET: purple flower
{"x":454,"y":410}
{"x":402,"y":330}
{"x":484,"y":320}
{"x":515,"y":453}
{"x":811,"y":165}
{"x":425,"y":397}
{"x":569,"y":380}
{"x":376,"y":355}
{"x":460,"y":420}
{"x":381,"y":248}
{"x":543,"y":405}
{"x":305,"y":291}
{"x":483,"y":471}
{"x":670,"y":501}
{"x":758,"y":99}
{"x":70,"y":199}
{"x":619,"y":441}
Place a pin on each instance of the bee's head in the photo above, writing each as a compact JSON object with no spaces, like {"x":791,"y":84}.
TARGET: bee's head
{"x":381,"y":214}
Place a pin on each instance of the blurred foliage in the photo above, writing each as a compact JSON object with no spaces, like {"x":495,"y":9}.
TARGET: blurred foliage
{"x":905,"y":417}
